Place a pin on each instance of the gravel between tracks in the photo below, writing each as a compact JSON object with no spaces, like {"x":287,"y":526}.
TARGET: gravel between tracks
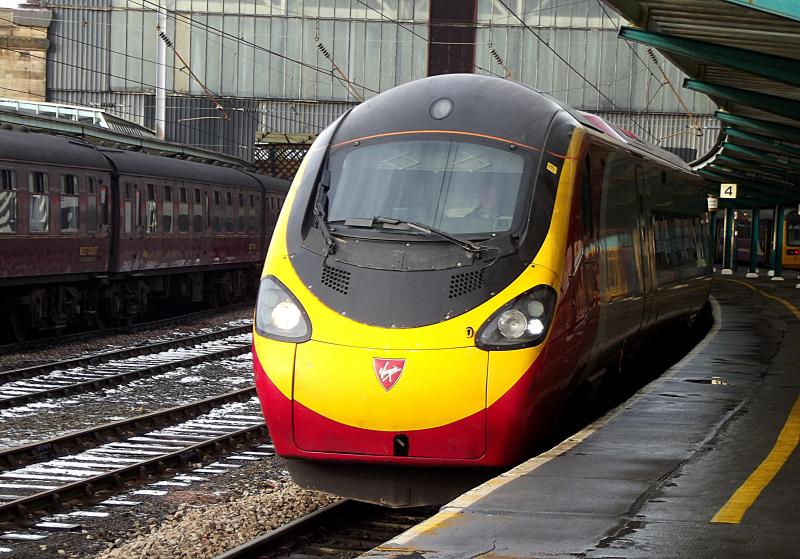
{"x":207,"y":532}
{"x":203,"y":520}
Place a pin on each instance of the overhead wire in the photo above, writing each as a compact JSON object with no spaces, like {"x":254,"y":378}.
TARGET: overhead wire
{"x":570,"y":66}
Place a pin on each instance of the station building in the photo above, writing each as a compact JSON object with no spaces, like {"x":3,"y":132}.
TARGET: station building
{"x":247,"y":77}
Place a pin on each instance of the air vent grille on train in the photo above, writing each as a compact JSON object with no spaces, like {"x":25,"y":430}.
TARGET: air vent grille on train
{"x":336,"y":279}
{"x":461,"y":284}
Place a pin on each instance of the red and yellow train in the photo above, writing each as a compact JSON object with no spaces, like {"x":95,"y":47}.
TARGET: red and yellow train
{"x":455,"y":258}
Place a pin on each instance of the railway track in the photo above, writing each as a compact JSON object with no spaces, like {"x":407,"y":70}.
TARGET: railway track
{"x":342,"y":529}
{"x":126,"y":329}
{"x":92,"y":474}
{"x":117,"y":367}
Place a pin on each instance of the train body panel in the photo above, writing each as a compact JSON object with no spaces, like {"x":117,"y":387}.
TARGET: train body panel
{"x":95,"y":234}
{"x":396,"y":326}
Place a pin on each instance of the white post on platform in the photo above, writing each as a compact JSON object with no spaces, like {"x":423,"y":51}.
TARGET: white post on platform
{"x":161,"y":75}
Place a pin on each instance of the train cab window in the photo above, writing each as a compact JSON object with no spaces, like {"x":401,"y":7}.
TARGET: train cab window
{"x":91,"y":204}
{"x":197,"y":223}
{"x":39,"y":203}
{"x":216,"y":219}
{"x":229,"y":212}
{"x":128,"y":208}
{"x":151,"y":210}
{"x":183,"y":211}
{"x":241,"y":223}
{"x":167,"y":210}
{"x":586,"y":197}
{"x":8,"y":201}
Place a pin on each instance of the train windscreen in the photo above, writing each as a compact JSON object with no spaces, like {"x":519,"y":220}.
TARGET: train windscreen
{"x":460,"y":187}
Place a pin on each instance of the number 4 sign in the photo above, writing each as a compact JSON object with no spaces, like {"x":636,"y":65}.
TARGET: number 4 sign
{"x":727,"y":190}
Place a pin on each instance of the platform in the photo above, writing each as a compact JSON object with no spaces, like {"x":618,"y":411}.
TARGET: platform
{"x":699,"y":463}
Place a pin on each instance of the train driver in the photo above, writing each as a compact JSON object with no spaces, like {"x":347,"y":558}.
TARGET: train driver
{"x":485,"y":216}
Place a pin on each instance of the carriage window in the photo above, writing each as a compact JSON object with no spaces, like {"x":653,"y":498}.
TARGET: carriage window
{"x":216,"y":219}
{"x":128,"y":208}
{"x":241,"y":223}
{"x":137,"y":199}
{"x":70,"y":208}
{"x":197,"y":223}
{"x":183,"y":212}
{"x":39,"y":204}
{"x":166,"y":218}
{"x":91,"y":204}
{"x":229,"y":212}
{"x":8,"y":201}
{"x":151,"y":210}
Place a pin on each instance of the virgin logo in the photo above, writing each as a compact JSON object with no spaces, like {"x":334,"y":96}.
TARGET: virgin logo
{"x":388,"y":371}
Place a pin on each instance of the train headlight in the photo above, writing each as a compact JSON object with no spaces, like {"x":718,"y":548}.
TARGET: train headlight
{"x":522,"y":322}
{"x":279,"y":315}
{"x":512,"y":324}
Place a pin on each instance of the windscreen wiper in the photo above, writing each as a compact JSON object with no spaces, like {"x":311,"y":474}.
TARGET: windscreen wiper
{"x":320,"y":215}
{"x":469,"y":246}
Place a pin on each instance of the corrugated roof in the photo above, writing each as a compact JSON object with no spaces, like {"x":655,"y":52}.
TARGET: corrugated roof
{"x":744,"y":55}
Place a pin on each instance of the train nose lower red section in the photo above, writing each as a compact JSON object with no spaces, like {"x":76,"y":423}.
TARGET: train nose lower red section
{"x":464,"y":439}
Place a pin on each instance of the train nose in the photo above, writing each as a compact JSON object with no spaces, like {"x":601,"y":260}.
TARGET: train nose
{"x":379,"y":402}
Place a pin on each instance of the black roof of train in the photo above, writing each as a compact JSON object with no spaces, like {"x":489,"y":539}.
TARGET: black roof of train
{"x":49,"y":149}
{"x":145,"y":164}
{"x":514,"y":112}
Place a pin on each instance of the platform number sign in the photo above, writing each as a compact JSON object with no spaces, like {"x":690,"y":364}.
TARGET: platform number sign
{"x":727,"y":190}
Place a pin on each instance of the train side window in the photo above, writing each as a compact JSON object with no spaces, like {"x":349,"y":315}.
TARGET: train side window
{"x":137,"y":202}
{"x":8,"y":201}
{"x":258,"y":212}
{"x":167,"y":210}
{"x":216,"y":219}
{"x":69,"y":210}
{"x":229,"y":227}
{"x":103,"y":204}
{"x":251,"y":213}
{"x":39,"y":203}
{"x":183,"y":211}
{"x":240,"y":217}
{"x":197,"y":223}
{"x":91,"y":204}
{"x":151,"y":210}
{"x":128,"y":208}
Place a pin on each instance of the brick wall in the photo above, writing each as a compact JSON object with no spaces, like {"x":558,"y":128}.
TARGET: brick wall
{"x":23,"y":50}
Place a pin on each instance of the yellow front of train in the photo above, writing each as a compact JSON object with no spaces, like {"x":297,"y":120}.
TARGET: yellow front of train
{"x":411,"y":283}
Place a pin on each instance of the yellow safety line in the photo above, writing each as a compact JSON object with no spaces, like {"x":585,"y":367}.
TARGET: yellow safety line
{"x":746,"y":495}
{"x":785,"y":303}
{"x":734,"y":510}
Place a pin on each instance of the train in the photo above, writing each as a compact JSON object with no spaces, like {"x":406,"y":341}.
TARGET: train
{"x":790,"y":259}
{"x":456,"y":258}
{"x":98,"y":235}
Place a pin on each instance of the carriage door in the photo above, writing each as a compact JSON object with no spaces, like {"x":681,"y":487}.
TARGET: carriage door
{"x":645,"y":239}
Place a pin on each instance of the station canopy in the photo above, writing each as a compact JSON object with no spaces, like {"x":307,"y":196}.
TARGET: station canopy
{"x":745,"y":55}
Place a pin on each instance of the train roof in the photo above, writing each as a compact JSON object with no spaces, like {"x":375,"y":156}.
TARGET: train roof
{"x":44,"y":149}
{"x":272,"y":184}
{"x":144,"y":164}
{"x":513,"y":111}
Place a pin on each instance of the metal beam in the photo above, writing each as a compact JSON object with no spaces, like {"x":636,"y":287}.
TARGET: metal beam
{"x":779,"y":185}
{"x":771,"y":143}
{"x":772,"y":158}
{"x":786,"y":70}
{"x":750,"y":188}
{"x":761,"y":126}
{"x":769,"y":103}
{"x":785,"y":8}
{"x":755,"y":166}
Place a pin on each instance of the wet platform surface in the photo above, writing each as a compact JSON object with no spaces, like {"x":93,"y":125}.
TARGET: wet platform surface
{"x":699,"y":463}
